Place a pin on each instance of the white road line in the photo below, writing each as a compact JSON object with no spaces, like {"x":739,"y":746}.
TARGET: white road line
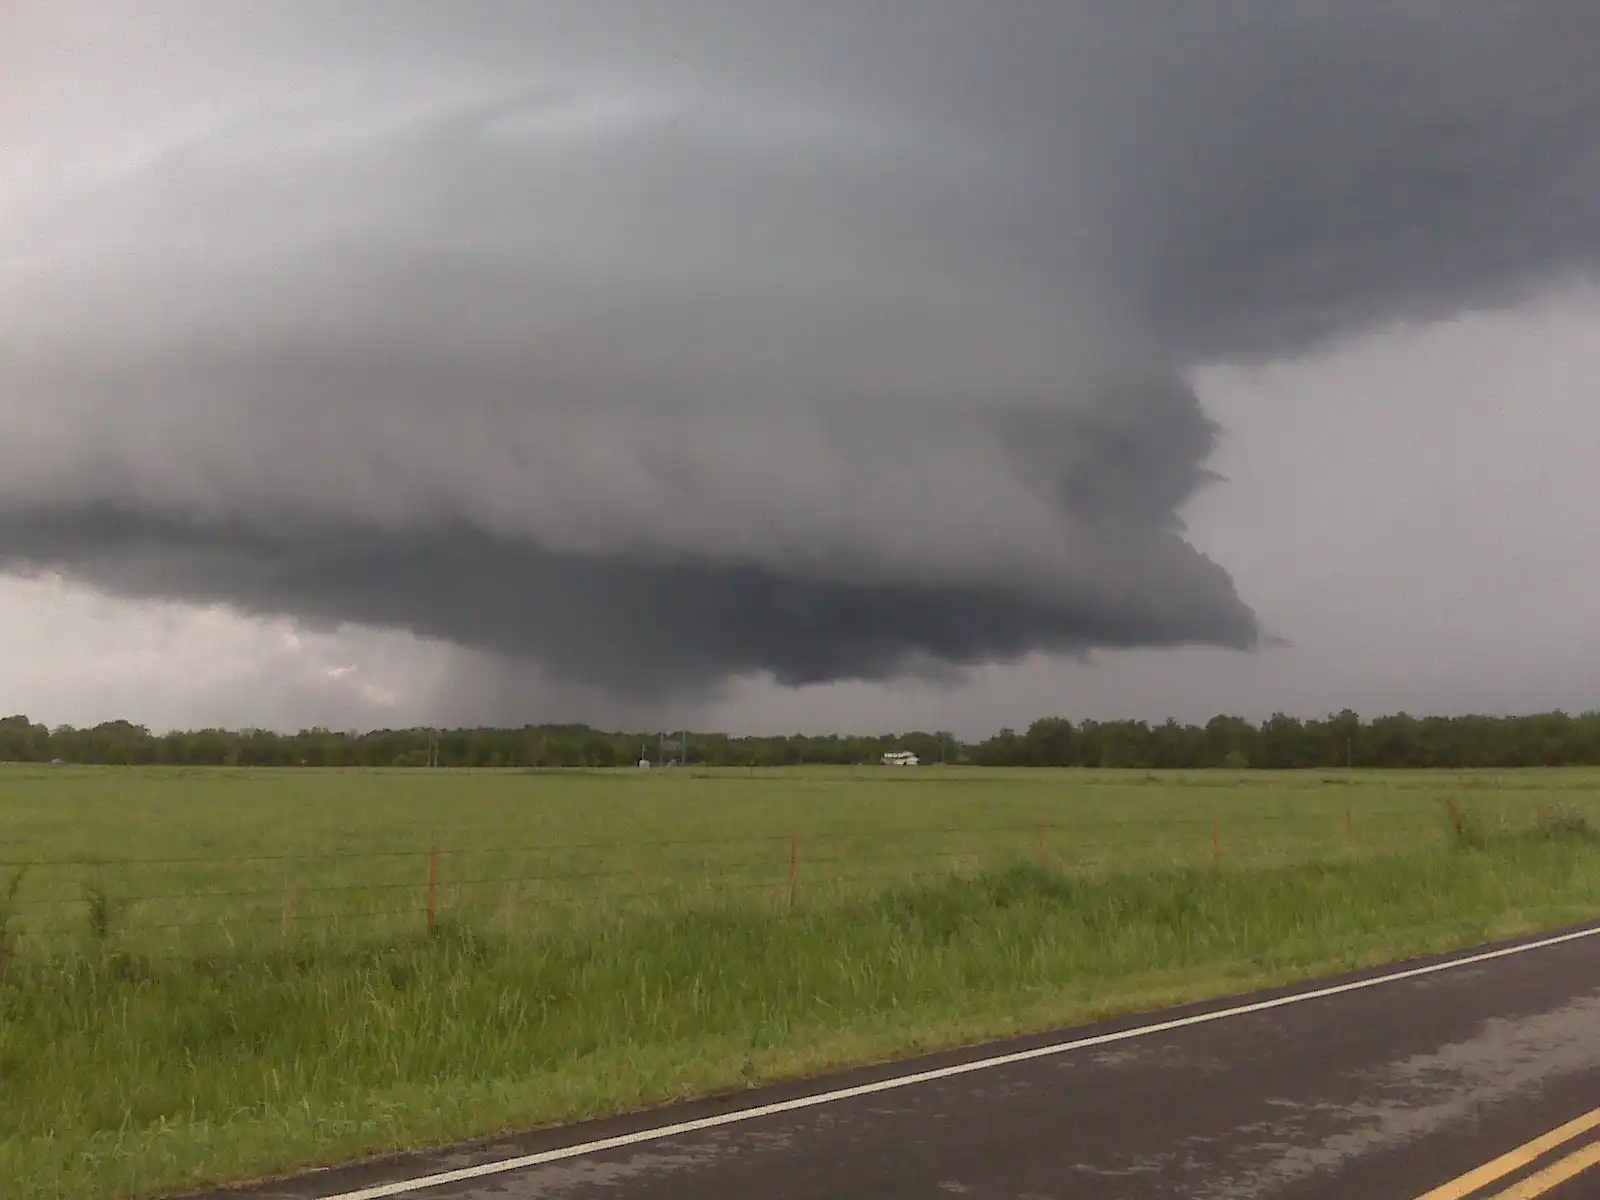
{"x":461,"y":1175}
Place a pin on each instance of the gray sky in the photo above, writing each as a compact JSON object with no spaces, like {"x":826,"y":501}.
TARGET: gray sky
{"x":794,"y":365}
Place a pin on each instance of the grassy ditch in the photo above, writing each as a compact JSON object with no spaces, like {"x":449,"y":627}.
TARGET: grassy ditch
{"x":132,"y":1075}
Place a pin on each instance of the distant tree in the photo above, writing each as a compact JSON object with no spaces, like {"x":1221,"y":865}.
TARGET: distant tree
{"x":1282,"y":742}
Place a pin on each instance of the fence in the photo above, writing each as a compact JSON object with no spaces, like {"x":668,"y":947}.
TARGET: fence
{"x":197,"y":898}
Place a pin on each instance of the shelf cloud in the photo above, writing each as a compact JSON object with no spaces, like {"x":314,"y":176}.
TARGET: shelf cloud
{"x":822,"y":341}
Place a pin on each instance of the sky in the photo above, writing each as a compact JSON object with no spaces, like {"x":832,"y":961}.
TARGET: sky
{"x":791,"y":366}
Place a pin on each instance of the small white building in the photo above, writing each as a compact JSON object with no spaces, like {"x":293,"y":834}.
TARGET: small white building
{"x":900,"y":758}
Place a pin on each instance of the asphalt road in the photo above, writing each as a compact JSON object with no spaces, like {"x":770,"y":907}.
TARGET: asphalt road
{"x":1370,"y":1086}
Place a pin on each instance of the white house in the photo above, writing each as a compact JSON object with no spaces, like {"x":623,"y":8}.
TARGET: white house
{"x":900,"y":758}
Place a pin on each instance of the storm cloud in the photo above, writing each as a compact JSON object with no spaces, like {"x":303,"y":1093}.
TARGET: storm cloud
{"x":826,"y":341}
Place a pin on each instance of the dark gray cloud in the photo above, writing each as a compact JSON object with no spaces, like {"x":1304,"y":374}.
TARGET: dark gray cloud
{"x":822,"y":340}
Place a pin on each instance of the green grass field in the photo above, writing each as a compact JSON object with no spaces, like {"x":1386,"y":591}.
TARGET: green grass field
{"x":215,"y":974}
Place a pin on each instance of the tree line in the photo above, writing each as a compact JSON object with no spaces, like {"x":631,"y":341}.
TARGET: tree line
{"x":1280,"y":742}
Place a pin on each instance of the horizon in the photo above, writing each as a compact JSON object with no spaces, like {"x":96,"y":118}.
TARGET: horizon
{"x":1363,"y":721}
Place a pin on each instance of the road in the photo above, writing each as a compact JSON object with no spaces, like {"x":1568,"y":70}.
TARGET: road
{"x":1458,"y":1078}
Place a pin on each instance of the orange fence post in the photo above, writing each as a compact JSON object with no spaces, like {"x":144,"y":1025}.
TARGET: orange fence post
{"x":433,"y":888}
{"x":794,"y":864}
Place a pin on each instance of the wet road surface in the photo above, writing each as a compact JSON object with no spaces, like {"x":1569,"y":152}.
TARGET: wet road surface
{"x":1463,"y":1078}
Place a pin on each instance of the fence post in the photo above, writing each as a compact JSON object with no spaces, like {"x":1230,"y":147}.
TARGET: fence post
{"x":1216,"y":841}
{"x":433,"y":888}
{"x":794,"y":864}
{"x":288,"y":910}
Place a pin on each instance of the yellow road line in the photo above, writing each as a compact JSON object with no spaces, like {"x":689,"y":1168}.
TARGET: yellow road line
{"x":1554,"y":1175}
{"x":1514,"y":1160}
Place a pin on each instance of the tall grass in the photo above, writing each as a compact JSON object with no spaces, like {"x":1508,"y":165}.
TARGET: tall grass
{"x":126,"y":1074}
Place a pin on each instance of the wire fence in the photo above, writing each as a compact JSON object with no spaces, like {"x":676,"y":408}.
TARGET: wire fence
{"x":522,"y":883}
